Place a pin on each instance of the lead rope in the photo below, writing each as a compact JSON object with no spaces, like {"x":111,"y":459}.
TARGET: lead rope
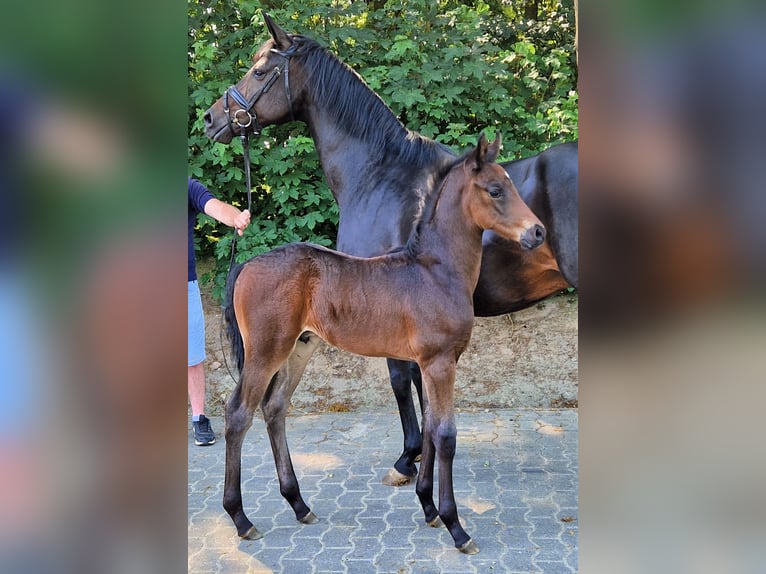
{"x":247,"y":106}
{"x":246,"y":157}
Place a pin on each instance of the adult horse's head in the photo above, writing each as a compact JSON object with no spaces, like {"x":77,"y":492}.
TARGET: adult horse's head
{"x":494,"y":202}
{"x":262,"y":97}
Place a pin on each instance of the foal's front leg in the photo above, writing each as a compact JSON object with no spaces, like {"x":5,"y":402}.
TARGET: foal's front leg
{"x":439,"y":441}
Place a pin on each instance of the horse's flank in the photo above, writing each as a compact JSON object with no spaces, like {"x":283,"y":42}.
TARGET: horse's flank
{"x":347,"y":301}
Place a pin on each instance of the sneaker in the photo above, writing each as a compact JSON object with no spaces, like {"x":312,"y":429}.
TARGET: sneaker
{"x":203,"y":434}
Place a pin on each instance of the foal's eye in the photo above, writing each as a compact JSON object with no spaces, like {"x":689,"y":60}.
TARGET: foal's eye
{"x":495,"y":191}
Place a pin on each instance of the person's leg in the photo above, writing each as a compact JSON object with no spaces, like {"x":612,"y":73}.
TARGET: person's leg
{"x":197,"y":390}
{"x":196,"y":350}
{"x":203,"y":434}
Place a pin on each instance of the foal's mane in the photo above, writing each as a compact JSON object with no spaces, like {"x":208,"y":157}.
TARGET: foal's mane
{"x":431,"y":202}
{"x":358,"y":109}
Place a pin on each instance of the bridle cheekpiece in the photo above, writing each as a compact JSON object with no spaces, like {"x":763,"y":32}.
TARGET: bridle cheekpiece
{"x":245,"y":117}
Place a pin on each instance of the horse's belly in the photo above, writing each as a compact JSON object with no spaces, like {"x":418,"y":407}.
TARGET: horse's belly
{"x":372,"y":348}
{"x":366,"y":336}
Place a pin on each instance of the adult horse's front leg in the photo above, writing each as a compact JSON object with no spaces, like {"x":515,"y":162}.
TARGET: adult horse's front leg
{"x":439,"y":441}
{"x":274,"y":405}
{"x":402,"y":375}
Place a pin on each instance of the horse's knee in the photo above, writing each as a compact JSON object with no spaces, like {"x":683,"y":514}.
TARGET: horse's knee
{"x":238,"y":421}
{"x":274,"y":408}
{"x":445,"y":439}
{"x":400,"y":379}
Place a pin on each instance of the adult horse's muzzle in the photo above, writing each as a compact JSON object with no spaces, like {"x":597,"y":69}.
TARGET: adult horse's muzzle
{"x":222,"y":127}
{"x":217,"y":126}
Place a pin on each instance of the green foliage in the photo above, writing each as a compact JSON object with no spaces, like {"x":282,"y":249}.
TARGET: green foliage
{"x":447,"y":69}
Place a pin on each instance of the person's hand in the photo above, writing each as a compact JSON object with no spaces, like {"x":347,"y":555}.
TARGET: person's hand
{"x":242,"y":221}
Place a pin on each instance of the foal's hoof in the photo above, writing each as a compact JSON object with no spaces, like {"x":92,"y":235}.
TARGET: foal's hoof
{"x":469,"y":548}
{"x":251,"y":534}
{"x":396,"y":478}
{"x":310,"y":518}
{"x":436,"y":523}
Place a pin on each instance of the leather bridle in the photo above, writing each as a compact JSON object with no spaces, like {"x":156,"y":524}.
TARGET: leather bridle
{"x":245,"y":117}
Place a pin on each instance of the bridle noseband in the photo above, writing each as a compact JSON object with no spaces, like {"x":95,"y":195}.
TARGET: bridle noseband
{"x":245,"y":117}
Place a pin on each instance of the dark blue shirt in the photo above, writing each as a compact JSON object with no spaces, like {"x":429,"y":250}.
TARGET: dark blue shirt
{"x":199,"y":195}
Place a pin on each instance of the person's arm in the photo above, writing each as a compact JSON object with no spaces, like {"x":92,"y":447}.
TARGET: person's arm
{"x":227,"y":214}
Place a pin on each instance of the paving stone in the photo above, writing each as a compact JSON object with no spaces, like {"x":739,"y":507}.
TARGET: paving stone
{"x":362,"y":566}
{"x":513,"y":486}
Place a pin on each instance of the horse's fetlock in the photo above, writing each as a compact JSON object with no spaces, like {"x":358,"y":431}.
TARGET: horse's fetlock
{"x":447,"y":511}
{"x":231,"y":503}
{"x":289,"y":490}
{"x":423,"y":488}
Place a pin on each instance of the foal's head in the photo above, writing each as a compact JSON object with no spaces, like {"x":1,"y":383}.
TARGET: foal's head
{"x":493,"y":201}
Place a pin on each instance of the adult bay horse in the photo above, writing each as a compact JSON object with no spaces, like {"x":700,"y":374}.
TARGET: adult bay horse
{"x":379,"y":173}
{"x":415,"y":304}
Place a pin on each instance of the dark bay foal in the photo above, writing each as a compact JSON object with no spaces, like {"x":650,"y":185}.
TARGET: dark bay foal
{"x":415,"y":304}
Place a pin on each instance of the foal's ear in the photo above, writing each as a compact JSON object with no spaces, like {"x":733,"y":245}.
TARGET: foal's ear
{"x":493,"y":149}
{"x":281,"y":38}
{"x":486,"y":152}
{"x":480,"y":153}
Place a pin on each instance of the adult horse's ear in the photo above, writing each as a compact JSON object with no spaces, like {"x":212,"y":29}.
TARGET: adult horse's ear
{"x":480,"y":154}
{"x":281,"y":38}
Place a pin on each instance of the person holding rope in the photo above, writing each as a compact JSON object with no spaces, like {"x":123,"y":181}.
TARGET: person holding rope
{"x":202,"y":201}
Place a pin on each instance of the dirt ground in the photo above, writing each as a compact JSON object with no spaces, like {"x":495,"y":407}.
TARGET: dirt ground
{"x":523,"y":359}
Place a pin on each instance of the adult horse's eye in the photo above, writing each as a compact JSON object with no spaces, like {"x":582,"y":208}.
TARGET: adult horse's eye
{"x":258,"y":73}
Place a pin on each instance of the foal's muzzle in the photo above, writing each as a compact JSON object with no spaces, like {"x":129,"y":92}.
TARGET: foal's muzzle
{"x":533,"y":237}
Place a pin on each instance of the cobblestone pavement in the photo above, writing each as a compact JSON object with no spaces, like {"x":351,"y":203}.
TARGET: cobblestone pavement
{"x":515,"y":477}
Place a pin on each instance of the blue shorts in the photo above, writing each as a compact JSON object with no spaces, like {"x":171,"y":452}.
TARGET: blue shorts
{"x":196,"y":319}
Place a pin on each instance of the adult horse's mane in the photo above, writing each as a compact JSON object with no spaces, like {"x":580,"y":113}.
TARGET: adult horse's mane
{"x":356,"y":108}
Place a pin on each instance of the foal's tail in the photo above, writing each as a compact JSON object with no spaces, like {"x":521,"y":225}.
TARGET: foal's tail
{"x":232,"y":328}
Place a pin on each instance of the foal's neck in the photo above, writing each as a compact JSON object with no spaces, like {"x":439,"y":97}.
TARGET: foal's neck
{"x":447,"y":236}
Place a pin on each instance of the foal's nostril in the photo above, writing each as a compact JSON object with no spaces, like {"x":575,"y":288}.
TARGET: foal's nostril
{"x":533,"y":237}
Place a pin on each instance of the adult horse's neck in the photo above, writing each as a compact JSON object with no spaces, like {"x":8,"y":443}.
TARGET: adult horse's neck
{"x":377,"y":169}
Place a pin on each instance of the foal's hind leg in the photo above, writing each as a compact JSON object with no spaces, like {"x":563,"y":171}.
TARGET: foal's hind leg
{"x":274,"y":405}
{"x":401,"y":374}
{"x":239,"y":417}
